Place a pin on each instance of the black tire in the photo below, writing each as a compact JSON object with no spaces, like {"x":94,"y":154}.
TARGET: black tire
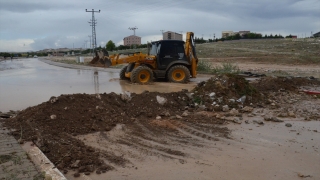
{"x":123,"y":73}
{"x":141,"y":75}
{"x":178,"y":74}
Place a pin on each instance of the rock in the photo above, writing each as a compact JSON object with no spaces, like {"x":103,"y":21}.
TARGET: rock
{"x":283,"y":114}
{"x":20,"y":141}
{"x":258,"y":122}
{"x":87,"y":173}
{"x":225,"y":108}
{"x":202,"y":107}
{"x":288,"y":125}
{"x":75,"y":164}
{"x":232,"y":100}
{"x":185,"y":114}
{"x":216,"y":108}
{"x":90,"y":168}
{"x":53,"y":116}
{"x":53,"y":99}
{"x":98,"y":96}
{"x":158,"y":117}
{"x":178,"y":117}
{"x":98,"y":172}
{"x":251,"y":115}
{"x":189,"y":95}
{"x":167,"y":114}
{"x":126,"y":96}
{"x":242,"y":99}
{"x":149,"y":115}
{"x":81,"y":169}
{"x":291,"y":114}
{"x":161,"y":100}
{"x":212,"y":94}
{"x":272,"y":118}
{"x":273,"y":104}
{"x":76,"y":175}
{"x":233,"y":119}
{"x":5,"y":115}
{"x":247,"y":109}
{"x":233,"y":112}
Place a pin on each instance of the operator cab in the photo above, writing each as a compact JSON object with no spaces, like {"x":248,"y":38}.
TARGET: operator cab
{"x":168,"y":51}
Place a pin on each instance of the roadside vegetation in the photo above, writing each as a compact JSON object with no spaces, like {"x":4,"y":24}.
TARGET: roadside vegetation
{"x":223,"y":68}
{"x":280,"y":51}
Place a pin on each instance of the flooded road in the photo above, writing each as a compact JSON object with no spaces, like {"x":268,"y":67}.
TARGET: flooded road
{"x":28,"y":82}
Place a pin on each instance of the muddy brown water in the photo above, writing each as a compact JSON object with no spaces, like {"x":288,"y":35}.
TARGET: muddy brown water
{"x":28,"y":82}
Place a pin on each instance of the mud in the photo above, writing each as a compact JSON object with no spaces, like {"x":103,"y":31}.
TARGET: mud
{"x":83,"y":133}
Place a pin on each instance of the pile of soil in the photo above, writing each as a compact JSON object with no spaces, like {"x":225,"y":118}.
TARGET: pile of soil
{"x":220,"y":90}
{"x":275,"y":84}
{"x":53,"y":125}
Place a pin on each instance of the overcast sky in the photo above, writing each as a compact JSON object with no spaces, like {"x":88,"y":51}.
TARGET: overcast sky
{"x":31,"y":25}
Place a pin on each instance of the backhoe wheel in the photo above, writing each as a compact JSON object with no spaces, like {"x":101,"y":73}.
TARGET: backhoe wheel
{"x":123,"y":73}
{"x":142,"y":75}
{"x":178,"y":74}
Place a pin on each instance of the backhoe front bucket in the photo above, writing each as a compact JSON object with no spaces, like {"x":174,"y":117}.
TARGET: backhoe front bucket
{"x":107,"y":62}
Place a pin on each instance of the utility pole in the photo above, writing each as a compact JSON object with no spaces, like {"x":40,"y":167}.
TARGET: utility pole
{"x":86,"y":43}
{"x":93,"y":23}
{"x":134,"y":30}
{"x":134,"y":33}
{"x":90,"y":43}
{"x":162,"y":33}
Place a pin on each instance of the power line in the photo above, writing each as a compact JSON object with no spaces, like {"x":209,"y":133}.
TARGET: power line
{"x":93,"y":23}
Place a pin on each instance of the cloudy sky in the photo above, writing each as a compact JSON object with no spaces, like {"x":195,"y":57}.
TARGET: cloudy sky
{"x":31,"y":25}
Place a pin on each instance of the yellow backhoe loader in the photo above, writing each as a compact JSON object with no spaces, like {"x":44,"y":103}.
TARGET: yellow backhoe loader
{"x":174,"y":60}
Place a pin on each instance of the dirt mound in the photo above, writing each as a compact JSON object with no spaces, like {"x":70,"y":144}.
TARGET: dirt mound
{"x":283,"y":83}
{"x":220,"y":90}
{"x":53,"y":125}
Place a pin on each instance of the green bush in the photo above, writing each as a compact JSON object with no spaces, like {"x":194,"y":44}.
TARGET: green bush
{"x":224,"y":68}
{"x":204,"y":66}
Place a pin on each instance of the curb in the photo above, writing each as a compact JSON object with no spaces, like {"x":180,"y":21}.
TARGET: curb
{"x":43,"y":164}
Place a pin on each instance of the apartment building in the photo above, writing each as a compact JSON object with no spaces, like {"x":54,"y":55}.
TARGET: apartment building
{"x":169,"y":35}
{"x":132,"y":40}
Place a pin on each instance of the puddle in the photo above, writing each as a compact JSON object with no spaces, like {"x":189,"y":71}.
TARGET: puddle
{"x":28,"y":82}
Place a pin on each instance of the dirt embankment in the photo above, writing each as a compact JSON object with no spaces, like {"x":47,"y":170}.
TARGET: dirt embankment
{"x":59,"y":126}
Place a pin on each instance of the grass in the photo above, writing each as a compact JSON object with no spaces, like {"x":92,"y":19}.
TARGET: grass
{"x":284,"y":51}
{"x":224,"y":68}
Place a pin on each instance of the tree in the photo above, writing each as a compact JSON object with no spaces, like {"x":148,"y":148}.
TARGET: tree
{"x":110,"y":46}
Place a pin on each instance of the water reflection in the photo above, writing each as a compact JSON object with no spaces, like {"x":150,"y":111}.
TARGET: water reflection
{"x":96,"y":82}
